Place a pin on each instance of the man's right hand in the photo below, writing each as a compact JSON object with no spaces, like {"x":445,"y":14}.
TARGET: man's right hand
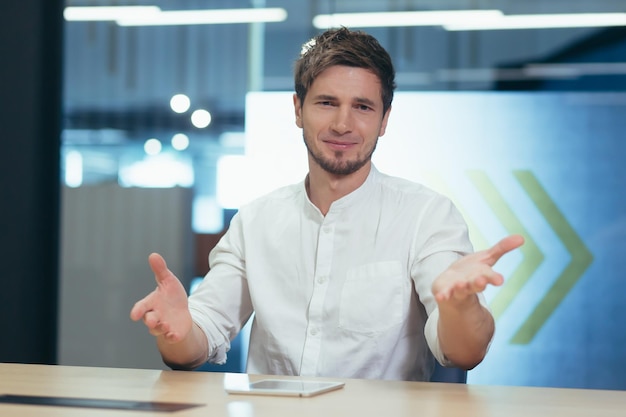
{"x":165,"y":310}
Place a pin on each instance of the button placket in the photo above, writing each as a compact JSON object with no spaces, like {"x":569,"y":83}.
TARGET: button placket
{"x":323,"y":263}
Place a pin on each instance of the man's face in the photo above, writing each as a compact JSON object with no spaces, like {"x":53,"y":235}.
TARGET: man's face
{"x":342,"y":118}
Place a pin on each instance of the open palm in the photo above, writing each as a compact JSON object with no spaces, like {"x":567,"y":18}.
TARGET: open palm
{"x":164,"y":311}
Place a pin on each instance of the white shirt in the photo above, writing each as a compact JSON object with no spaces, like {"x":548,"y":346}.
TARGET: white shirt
{"x":342,"y":295}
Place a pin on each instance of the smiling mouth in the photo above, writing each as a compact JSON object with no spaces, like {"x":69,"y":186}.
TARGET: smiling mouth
{"x":339,"y":145}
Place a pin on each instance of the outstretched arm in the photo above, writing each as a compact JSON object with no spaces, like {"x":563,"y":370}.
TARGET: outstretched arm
{"x":166,"y":314}
{"x":465,"y":326}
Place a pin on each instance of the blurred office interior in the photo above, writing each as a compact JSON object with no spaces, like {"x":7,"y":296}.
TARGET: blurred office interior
{"x":143,"y":130}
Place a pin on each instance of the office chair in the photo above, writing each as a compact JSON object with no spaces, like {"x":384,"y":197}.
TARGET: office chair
{"x":443,"y":374}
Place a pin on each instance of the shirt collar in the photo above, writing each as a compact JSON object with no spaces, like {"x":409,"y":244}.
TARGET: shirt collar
{"x":356,"y":196}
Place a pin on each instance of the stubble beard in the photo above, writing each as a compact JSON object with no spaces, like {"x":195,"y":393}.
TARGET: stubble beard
{"x":338,"y":165}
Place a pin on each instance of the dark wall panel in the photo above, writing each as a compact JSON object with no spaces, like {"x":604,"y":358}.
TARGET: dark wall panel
{"x":30,"y":121}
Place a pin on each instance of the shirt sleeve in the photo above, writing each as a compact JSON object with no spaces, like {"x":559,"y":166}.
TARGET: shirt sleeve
{"x":441,"y":237}
{"x":221,"y":304}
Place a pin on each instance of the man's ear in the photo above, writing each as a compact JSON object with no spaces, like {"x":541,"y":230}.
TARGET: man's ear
{"x":297,"y":106}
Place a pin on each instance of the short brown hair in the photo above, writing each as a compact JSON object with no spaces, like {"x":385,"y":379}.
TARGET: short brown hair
{"x":344,"y":47}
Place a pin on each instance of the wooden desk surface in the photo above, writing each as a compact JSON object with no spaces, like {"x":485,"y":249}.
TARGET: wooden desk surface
{"x":361,"y":398}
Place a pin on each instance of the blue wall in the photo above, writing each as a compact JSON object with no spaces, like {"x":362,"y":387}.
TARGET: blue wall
{"x":548,"y":165}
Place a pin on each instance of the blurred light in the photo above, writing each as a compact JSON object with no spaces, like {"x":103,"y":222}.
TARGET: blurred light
{"x":105,"y":136}
{"x":576,"y":69}
{"x":152,"y":146}
{"x":180,"y":103}
{"x":388,"y":19}
{"x":207,"y":215}
{"x":456,"y":20}
{"x":233,"y":188}
{"x":160,"y":171}
{"x":233,"y":139}
{"x":240,"y":408}
{"x":204,"y":17}
{"x":194,"y":284}
{"x":104,"y":13}
{"x":542,"y":21}
{"x":73,"y":169}
{"x":180,"y":141}
{"x":201,"y":118}
{"x":272,"y":160}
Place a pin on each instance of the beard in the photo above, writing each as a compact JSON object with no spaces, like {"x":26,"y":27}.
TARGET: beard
{"x":339,"y":165}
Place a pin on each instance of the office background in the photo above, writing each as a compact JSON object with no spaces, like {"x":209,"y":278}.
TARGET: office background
{"x":521,"y":127}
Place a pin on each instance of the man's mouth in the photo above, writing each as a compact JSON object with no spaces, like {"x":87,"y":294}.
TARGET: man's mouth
{"x":339,"y":145}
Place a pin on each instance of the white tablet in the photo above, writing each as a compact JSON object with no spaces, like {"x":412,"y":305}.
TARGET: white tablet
{"x":289,"y":387}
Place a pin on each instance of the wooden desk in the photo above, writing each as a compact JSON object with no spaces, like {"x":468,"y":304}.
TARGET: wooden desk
{"x":359,"y":397}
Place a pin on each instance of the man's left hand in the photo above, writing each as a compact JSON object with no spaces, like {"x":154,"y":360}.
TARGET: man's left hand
{"x":472,"y":273}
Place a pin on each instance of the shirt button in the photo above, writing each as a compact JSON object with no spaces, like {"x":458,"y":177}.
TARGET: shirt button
{"x":328,"y":230}
{"x":314,"y":331}
{"x":321,"y":280}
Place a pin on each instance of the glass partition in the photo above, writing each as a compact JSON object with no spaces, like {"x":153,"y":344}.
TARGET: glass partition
{"x":519,"y":123}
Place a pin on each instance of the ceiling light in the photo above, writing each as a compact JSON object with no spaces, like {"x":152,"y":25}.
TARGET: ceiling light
{"x":201,"y":118}
{"x":104,"y":13}
{"x":576,"y":68}
{"x":543,"y":21}
{"x":388,"y":19}
{"x":73,"y":169}
{"x":152,"y":146}
{"x":180,"y":141}
{"x":180,"y":103}
{"x":204,"y":17}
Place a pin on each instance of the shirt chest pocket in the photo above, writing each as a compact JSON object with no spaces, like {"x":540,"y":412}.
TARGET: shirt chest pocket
{"x":373,"y":297}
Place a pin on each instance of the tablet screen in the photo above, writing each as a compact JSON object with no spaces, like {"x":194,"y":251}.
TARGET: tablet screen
{"x":302,"y":388}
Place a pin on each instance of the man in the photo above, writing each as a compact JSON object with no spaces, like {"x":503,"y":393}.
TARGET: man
{"x":351,"y":273}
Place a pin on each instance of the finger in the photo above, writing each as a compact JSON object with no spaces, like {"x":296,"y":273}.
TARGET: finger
{"x":442,"y":295}
{"x":460,"y":293}
{"x":151,"y":319}
{"x":155,"y":326}
{"x":139,"y":309}
{"x":172,"y":337}
{"x":504,"y":246}
{"x":480,"y":283}
{"x":461,"y":289}
{"x":457,"y":291}
{"x":453,"y":289}
{"x":486,"y":275}
{"x":159,"y":267}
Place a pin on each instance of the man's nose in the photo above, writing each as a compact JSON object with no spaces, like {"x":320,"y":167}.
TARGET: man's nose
{"x":342,"y":122}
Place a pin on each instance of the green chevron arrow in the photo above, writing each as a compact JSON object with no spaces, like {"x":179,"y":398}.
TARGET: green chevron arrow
{"x":532,"y":256}
{"x":581,"y":258}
